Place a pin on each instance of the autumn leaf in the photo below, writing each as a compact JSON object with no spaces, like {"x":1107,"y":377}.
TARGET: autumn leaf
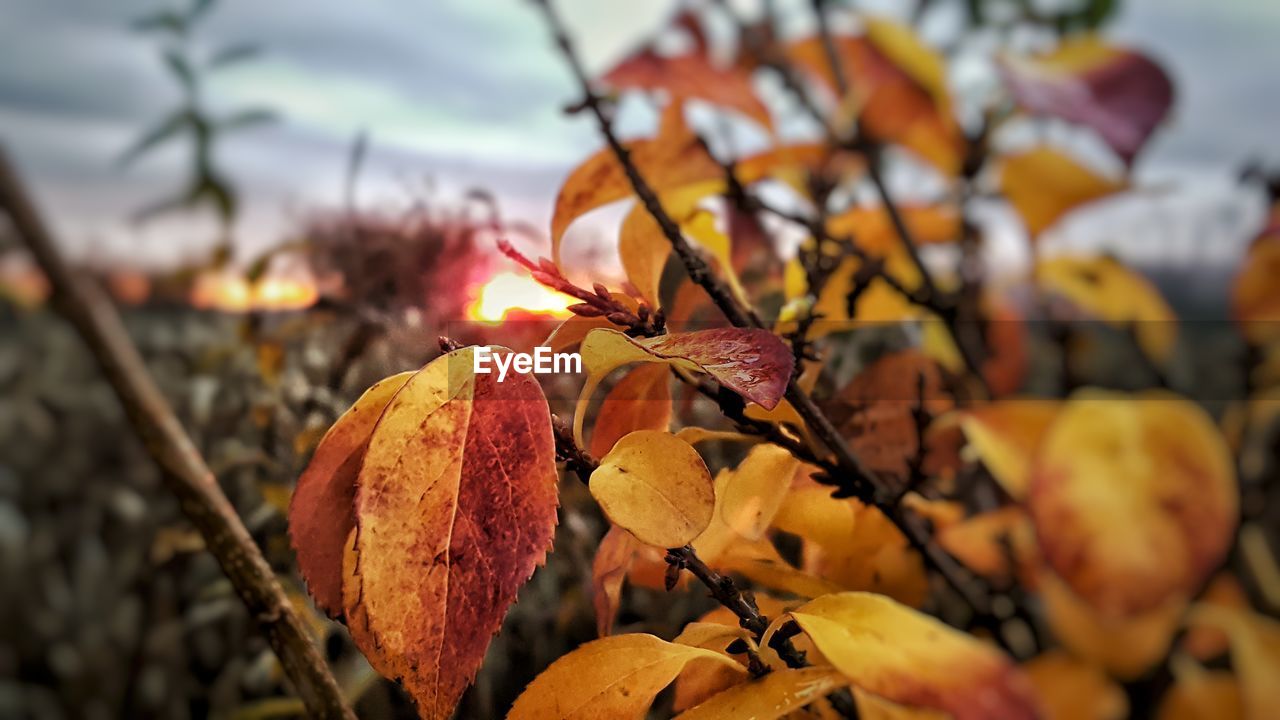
{"x":1255,"y":653}
{"x":853,"y":545}
{"x":657,"y":487}
{"x":1121,"y":94}
{"x":1128,"y":552}
{"x":608,"y":570}
{"x":322,"y":510}
{"x":1070,"y":689}
{"x":877,"y":411}
{"x":770,"y":696}
{"x":896,"y":88}
{"x":1126,"y":646}
{"x":1255,"y":295}
{"x":1205,"y":642}
{"x":1043,"y":185}
{"x":910,"y":658}
{"x":459,"y":481}
{"x":643,"y":250}
{"x":1004,"y":437}
{"x":1104,"y":288}
{"x":987,"y":542}
{"x":613,"y":677}
{"x":690,"y":75}
{"x":1199,"y":694}
{"x":874,"y":232}
{"x":756,"y":488}
{"x":640,"y":401}
{"x":754,"y":363}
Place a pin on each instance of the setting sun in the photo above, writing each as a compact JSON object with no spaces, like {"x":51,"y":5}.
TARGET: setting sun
{"x":509,"y":291}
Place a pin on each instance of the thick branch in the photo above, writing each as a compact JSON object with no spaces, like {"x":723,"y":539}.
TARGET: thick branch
{"x":185,"y":473}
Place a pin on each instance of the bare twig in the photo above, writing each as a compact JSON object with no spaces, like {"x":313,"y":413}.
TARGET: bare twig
{"x":185,"y":473}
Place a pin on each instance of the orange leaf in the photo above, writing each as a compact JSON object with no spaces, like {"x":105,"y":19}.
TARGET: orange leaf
{"x":1125,"y":646}
{"x":1121,"y":94}
{"x":910,"y":658}
{"x":1005,"y":436}
{"x":986,"y":542}
{"x":853,"y":545}
{"x":1128,"y":551}
{"x":322,"y":510}
{"x":756,"y":488}
{"x":1043,"y":185}
{"x":1199,"y":694}
{"x":690,"y":75}
{"x":1070,"y":689}
{"x":640,"y":401}
{"x":1255,"y":653}
{"x":458,"y":482}
{"x":613,"y":677}
{"x":872,"y":230}
{"x":1255,"y":295}
{"x":609,"y":568}
{"x":1204,"y":642}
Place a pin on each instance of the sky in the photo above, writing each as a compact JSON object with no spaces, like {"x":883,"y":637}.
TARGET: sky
{"x":457,"y":94}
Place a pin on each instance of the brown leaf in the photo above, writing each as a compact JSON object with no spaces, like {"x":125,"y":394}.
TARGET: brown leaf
{"x":690,"y":75}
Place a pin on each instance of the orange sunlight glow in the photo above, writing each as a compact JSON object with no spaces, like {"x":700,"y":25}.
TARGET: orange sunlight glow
{"x":231,"y":292}
{"x":508,"y":291}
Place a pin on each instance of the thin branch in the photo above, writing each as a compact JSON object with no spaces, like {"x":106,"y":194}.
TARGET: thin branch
{"x":185,"y":472}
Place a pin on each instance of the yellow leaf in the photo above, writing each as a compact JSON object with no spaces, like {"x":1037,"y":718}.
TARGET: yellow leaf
{"x":1106,"y":289}
{"x":1125,"y":646}
{"x":853,"y":545}
{"x":1070,"y":689}
{"x":913,"y":659}
{"x":873,"y":231}
{"x":1043,"y":185}
{"x":1255,"y":654}
{"x":771,"y":696}
{"x":756,"y":488}
{"x":1134,"y":498}
{"x":986,"y":542}
{"x":905,"y":49}
{"x":613,"y":677}
{"x":657,"y":487}
{"x":1005,"y":435}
